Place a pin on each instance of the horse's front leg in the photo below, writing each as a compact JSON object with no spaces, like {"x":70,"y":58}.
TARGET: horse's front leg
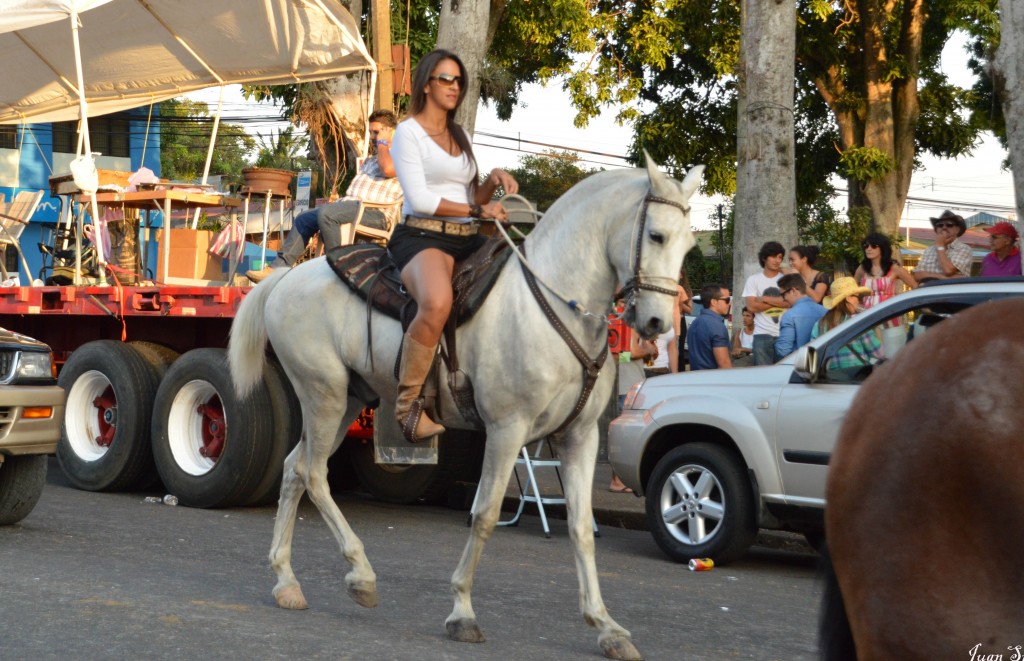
{"x":578,"y":453}
{"x":499,"y":457}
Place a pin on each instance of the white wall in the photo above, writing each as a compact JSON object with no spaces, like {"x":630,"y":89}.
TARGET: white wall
{"x":9,"y":162}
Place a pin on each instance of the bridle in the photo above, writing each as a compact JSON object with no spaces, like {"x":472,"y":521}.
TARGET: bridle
{"x":592,"y":366}
{"x":633,"y":286}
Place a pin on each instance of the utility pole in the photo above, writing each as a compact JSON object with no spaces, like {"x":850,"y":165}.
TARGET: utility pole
{"x":721,"y":247}
{"x":380,"y":21}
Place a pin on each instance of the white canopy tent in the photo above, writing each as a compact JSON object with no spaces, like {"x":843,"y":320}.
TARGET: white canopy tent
{"x":134,"y":52}
{"x":127,"y":53}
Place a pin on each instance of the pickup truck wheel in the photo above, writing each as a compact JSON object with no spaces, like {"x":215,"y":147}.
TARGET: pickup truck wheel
{"x":104,"y":443}
{"x":21,"y":483}
{"x":699,"y":504}
{"x":211,"y":449}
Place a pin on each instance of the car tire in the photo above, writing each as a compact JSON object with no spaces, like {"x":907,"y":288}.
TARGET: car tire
{"x":211,"y":449}
{"x":104,"y":443}
{"x":700,"y":505}
{"x":21,"y":483}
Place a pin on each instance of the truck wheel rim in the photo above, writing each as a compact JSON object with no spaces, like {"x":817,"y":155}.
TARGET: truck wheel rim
{"x":692,"y":504}
{"x":90,"y":417}
{"x":197,"y":428}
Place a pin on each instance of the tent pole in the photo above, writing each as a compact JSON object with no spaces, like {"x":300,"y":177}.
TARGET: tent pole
{"x":209,"y":151}
{"x":83,"y":111}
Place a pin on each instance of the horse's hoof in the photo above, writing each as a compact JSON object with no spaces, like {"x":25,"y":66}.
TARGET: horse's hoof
{"x":364,"y":594}
{"x":290,"y":597}
{"x":465,"y":631}
{"x":621,"y":649}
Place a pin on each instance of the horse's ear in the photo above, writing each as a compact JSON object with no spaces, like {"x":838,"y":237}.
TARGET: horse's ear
{"x":664,"y":186}
{"x":661,"y":184}
{"x":692,"y":181}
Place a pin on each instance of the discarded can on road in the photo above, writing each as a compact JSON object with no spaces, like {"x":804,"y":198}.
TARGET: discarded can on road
{"x":702,"y":564}
{"x":170,"y":499}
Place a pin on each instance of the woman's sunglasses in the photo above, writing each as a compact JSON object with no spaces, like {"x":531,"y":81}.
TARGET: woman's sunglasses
{"x":866,"y":245}
{"x":447,"y":79}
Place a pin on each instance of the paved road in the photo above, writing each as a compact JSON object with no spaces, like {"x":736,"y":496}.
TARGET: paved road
{"x":107,"y":576}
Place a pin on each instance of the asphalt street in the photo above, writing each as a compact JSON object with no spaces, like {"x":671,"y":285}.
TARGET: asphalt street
{"x":109,"y":576}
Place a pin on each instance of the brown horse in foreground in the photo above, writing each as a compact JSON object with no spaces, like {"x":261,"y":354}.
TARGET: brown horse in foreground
{"x":925,"y":516}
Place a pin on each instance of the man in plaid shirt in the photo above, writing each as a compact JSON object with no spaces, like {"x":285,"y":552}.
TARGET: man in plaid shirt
{"x":947,"y":257}
{"x":375,"y":182}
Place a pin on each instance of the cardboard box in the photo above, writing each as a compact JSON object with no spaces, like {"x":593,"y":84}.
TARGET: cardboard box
{"x":189,"y":258}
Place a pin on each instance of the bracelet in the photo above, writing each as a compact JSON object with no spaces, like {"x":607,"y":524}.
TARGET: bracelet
{"x":383,"y":142}
{"x":475,"y":211}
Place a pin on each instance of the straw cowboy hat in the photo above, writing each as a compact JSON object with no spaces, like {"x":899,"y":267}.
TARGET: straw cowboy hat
{"x":841,"y":288}
{"x":956,"y":218}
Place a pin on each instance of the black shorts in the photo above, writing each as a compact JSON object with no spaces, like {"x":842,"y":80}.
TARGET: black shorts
{"x":407,"y":242}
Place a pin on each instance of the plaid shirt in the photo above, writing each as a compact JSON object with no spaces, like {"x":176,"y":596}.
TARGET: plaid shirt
{"x":372,"y":185}
{"x":959,"y":253}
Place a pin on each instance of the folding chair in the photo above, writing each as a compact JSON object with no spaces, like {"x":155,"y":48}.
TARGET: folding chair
{"x":14,"y":219}
{"x":530,"y":493}
{"x":356,"y":230}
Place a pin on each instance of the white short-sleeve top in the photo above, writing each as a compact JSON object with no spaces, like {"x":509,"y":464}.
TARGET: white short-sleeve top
{"x":428,"y":173}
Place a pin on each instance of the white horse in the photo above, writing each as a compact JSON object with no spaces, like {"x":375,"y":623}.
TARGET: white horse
{"x":623,"y":226}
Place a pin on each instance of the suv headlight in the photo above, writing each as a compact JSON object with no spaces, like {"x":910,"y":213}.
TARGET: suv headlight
{"x":631,"y":395}
{"x":34,"y":365}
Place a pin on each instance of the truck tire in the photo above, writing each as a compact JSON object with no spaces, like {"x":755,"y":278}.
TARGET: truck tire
{"x":160,"y":359}
{"x":104,"y":443}
{"x":460,"y":455}
{"x":211,"y":449}
{"x":287,"y":413}
{"x":21,"y":483}
{"x":157,"y":355}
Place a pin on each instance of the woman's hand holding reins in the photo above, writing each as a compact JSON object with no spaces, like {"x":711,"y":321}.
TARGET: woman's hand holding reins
{"x":494,"y":211}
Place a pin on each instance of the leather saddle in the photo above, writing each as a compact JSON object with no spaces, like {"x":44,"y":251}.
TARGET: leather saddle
{"x":369,"y":271}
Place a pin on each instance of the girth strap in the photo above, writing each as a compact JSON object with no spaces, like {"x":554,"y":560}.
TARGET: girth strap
{"x":591,"y":369}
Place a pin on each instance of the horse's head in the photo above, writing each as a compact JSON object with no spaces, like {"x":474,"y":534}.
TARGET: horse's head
{"x":658,"y":239}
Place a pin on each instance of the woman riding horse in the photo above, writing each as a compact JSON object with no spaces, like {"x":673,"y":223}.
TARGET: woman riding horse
{"x":434,"y":160}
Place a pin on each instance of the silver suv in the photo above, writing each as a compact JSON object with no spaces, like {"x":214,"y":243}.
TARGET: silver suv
{"x":722,"y":453}
{"x":31,"y":410}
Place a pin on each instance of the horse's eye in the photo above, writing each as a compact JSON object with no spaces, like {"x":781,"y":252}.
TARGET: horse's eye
{"x":657,"y":237}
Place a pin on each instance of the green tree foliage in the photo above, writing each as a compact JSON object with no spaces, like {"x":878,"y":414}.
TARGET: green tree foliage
{"x":284,"y":151}
{"x":185,"y":130}
{"x":544,"y":178}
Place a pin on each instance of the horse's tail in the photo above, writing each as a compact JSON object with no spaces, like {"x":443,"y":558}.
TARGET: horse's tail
{"x":246,"y":347}
{"x":835,"y":639}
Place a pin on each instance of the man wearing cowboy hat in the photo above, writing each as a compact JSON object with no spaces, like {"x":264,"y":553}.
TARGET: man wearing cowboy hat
{"x":1005,"y":257}
{"x":947,"y":257}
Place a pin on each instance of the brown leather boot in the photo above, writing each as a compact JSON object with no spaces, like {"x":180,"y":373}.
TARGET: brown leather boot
{"x":412,"y":373}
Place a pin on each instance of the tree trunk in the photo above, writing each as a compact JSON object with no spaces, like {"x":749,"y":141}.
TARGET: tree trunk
{"x":765,"y":170}
{"x":464,"y":28}
{"x":1008,"y":74}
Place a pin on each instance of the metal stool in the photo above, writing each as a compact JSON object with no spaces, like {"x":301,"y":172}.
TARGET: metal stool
{"x":531,"y":492}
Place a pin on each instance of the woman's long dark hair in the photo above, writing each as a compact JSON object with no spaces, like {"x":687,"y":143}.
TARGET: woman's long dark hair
{"x":885,"y":246}
{"x":420,"y":81}
{"x":810,"y":253}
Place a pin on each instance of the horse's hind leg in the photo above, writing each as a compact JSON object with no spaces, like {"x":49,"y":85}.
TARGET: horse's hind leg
{"x":287,"y":592}
{"x":578,"y":452}
{"x":361,"y":580}
{"x":499,"y":458}
{"x":306,"y":469}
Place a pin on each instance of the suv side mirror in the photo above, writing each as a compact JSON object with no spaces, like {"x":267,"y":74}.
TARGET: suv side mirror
{"x":805,"y":363}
